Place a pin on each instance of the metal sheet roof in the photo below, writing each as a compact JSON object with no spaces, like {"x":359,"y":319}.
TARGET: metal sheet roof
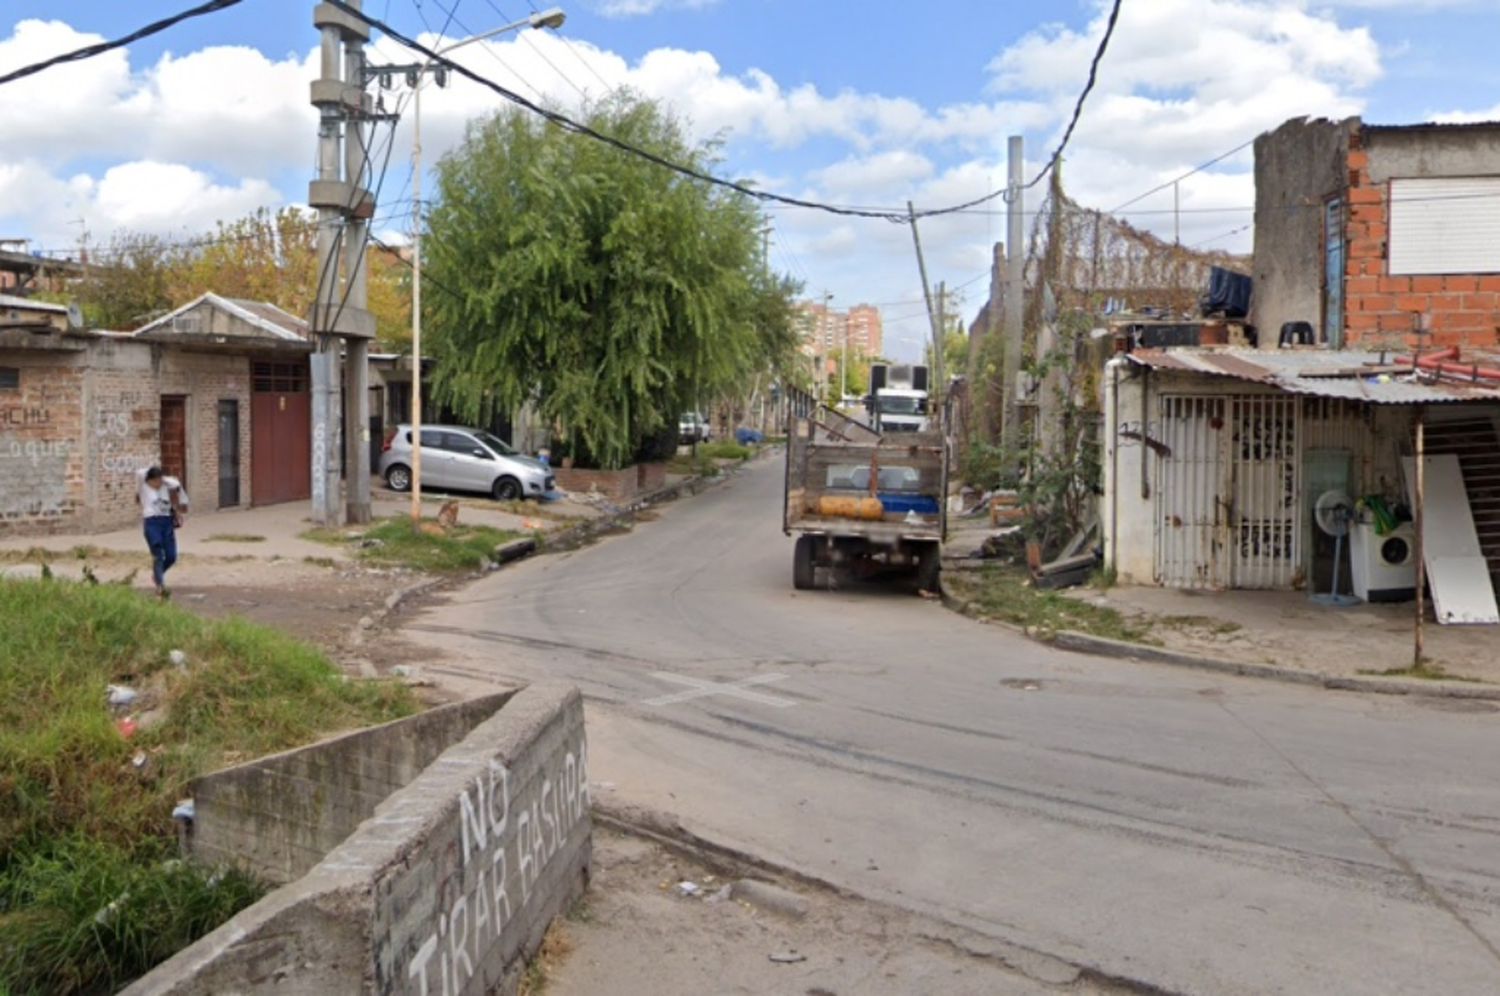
{"x":1354,"y":375}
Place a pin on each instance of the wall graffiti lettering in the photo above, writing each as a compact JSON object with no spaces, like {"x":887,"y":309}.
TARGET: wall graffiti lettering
{"x":25,"y":416}
{"x":510,"y":846}
{"x":320,"y":464}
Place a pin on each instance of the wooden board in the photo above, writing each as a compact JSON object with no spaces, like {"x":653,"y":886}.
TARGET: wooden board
{"x":1456,"y":570}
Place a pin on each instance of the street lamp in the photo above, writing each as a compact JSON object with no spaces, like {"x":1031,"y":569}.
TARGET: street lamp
{"x":552,"y":17}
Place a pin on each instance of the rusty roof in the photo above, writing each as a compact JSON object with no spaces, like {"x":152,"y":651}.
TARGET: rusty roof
{"x":1355,"y":375}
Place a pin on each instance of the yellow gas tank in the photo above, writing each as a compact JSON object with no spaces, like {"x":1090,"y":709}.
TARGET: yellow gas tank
{"x":851,"y":507}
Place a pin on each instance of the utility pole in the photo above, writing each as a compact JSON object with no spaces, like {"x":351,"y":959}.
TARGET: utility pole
{"x":939,"y":376}
{"x":932,"y":317}
{"x":1015,"y":280}
{"x":339,"y":316}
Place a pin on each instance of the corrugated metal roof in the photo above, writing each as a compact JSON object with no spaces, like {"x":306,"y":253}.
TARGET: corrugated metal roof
{"x":10,"y":301}
{"x":1354,"y":375}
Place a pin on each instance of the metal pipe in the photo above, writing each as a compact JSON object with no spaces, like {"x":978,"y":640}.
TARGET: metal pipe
{"x":1421,"y":579}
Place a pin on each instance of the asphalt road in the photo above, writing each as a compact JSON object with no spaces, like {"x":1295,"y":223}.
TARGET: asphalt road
{"x":1196,"y":833}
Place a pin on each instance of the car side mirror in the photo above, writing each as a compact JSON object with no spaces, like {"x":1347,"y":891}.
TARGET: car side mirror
{"x":481,"y":454}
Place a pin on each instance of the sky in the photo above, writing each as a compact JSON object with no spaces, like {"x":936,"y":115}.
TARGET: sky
{"x":846,"y":102}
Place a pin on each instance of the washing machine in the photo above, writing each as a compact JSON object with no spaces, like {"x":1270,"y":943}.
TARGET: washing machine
{"x":1384,"y":568}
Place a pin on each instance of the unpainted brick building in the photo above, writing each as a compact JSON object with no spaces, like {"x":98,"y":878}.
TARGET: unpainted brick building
{"x":1371,"y":234}
{"x":216,"y":393}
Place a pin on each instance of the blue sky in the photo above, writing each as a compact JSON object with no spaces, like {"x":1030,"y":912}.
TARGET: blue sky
{"x":842,"y":101}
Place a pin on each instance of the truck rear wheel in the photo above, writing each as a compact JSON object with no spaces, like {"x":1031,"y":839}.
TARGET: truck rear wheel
{"x":929,"y":566}
{"x":802,"y":564}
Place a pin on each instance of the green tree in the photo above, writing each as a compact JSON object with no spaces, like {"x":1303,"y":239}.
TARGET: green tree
{"x":611,"y":292}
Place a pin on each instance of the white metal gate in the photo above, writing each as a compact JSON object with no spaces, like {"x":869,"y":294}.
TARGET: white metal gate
{"x":1228,"y":484}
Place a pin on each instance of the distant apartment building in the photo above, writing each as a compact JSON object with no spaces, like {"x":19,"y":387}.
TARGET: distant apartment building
{"x":827,"y":332}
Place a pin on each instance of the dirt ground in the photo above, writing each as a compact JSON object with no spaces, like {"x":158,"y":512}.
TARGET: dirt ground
{"x":659,"y":922}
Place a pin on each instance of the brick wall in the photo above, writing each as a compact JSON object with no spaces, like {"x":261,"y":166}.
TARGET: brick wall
{"x":206,"y":379}
{"x":616,"y":485}
{"x":651,"y":477}
{"x":42,"y":452}
{"x":1378,"y":309}
{"x":82,"y":420}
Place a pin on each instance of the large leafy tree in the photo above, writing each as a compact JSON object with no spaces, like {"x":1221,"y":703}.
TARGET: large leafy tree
{"x":608,"y":290}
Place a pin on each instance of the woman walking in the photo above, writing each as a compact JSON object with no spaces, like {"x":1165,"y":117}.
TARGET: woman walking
{"x":161,"y":499}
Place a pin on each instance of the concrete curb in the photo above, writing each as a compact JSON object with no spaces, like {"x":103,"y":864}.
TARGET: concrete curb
{"x":1101,"y":647}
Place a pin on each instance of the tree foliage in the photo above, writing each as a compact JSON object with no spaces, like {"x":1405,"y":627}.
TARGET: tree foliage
{"x":609,"y":291}
{"x":266,"y":256}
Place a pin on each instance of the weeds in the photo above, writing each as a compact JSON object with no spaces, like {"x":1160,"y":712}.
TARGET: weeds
{"x":429,"y":547}
{"x":85,"y":809}
{"x":1005,"y":593}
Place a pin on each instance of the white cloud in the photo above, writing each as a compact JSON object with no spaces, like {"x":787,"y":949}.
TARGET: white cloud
{"x":1466,"y":117}
{"x":638,"y":8}
{"x":198,"y":136}
{"x":153,"y":196}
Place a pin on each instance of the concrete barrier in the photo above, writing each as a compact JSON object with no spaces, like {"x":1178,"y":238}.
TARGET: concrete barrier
{"x":446,"y":888}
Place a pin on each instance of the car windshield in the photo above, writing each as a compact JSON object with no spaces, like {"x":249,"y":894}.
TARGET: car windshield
{"x":495,"y":444}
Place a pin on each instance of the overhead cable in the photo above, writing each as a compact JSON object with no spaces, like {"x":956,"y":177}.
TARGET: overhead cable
{"x":89,"y":51}
{"x":568,"y":124}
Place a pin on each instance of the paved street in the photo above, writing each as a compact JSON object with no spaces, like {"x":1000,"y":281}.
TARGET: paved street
{"x":1202,"y":834}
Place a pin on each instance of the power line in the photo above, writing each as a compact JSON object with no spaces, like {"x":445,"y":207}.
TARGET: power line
{"x":567,"y":123}
{"x":1196,"y":169}
{"x":1088,"y":86}
{"x":89,"y":51}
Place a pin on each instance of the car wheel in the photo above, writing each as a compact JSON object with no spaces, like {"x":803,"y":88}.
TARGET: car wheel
{"x":398,"y":477}
{"x":506,"y":489}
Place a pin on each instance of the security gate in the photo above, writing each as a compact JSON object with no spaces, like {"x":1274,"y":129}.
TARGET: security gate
{"x":1228,"y":483}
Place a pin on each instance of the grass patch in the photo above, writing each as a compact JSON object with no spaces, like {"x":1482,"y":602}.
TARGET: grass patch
{"x":1208,"y":624}
{"x":724,"y":451}
{"x":82,"y":825}
{"x":233,"y":538}
{"x":1425,"y":670}
{"x":1004,"y":592}
{"x":394,"y":542}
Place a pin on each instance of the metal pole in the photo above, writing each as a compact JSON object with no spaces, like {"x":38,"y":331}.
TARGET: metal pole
{"x":552,"y":17}
{"x":1419,"y":553}
{"x":416,"y":302}
{"x":940,"y":339}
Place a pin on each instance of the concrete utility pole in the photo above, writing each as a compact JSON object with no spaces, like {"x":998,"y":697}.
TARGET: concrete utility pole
{"x":932,"y":316}
{"x":339,"y":316}
{"x":1015,"y":281}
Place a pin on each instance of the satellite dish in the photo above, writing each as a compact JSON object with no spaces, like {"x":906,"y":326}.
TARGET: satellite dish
{"x":1333,"y":512}
{"x":75,"y":315}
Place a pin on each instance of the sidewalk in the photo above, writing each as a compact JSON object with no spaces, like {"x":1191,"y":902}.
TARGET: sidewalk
{"x":1286,"y":629}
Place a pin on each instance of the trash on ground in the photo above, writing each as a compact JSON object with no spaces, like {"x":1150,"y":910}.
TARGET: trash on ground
{"x":689,"y":888}
{"x":127,"y":726}
{"x":121,"y":696}
{"x":787,"y":957}
{"x":177,"y":657}
{"x":183,"y":810}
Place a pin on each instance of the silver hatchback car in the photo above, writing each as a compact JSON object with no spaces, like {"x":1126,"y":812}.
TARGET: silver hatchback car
{"x":462,"y":459}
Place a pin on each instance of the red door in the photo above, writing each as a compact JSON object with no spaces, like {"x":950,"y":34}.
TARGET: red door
{"x":174,"y":436}
{"x":280,"y":433}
